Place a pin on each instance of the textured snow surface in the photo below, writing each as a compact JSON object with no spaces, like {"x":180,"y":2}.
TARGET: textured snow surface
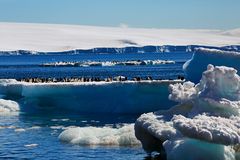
{"x":52,"y":37}
{"x":182,"y":92}
{"x":209,"y":128}
{"x":157,"y":126}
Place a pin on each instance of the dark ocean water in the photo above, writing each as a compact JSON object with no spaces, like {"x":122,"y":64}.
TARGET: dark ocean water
{"x":30,"y":65}
{"x":40,"y":130}
{"x":35,"y":136}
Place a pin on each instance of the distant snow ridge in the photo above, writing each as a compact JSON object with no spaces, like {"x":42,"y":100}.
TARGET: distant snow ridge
{"x":206,"y":123}
{"x":123,"y":136}
{"x":8,"y":107}
{"x":204,"y":56}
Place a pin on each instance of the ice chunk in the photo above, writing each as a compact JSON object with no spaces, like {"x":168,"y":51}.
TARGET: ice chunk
{"x":123,"y":136}
{"x":191,"y":149}
{"x":5,"y":82}
{"x":220,"y":82}
{"x":152,"y":131}
{"x":31,"y":145}
{"x":8,"y":106}
{"x":218,"y":92}
{"x":20,"y":130}
{"x":157,"y":126}
{"x":182,"y":92}
{"x":207,"y":112}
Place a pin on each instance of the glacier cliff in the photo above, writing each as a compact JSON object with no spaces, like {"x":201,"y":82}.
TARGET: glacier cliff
{"x":123,"y":50}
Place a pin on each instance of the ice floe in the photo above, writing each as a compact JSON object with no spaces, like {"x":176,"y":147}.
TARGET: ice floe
{"x":77,"y":97}
{"x":123,"y":136}
{"x":108,"y":63}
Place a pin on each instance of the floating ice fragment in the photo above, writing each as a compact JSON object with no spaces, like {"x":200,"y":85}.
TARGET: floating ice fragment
{"x":123,"y":136}
{"x":31,"y":145}
{"x":192,"y":149}
{"x":20,"y":130}
{"x":8,"y":106}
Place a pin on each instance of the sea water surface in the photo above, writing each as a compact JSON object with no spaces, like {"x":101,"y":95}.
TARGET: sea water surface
{"x":35,"y":136}
{"x":22,"y":66}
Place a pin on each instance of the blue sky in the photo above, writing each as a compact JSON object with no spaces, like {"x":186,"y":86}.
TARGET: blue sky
{"x":210,"y":14}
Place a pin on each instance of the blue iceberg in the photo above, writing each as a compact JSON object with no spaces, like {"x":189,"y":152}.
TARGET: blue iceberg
{"x":204,"y":56}
{"x":89,"y":97}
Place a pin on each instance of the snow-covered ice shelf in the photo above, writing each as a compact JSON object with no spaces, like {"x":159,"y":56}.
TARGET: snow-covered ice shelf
{"x":53,"y":37}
